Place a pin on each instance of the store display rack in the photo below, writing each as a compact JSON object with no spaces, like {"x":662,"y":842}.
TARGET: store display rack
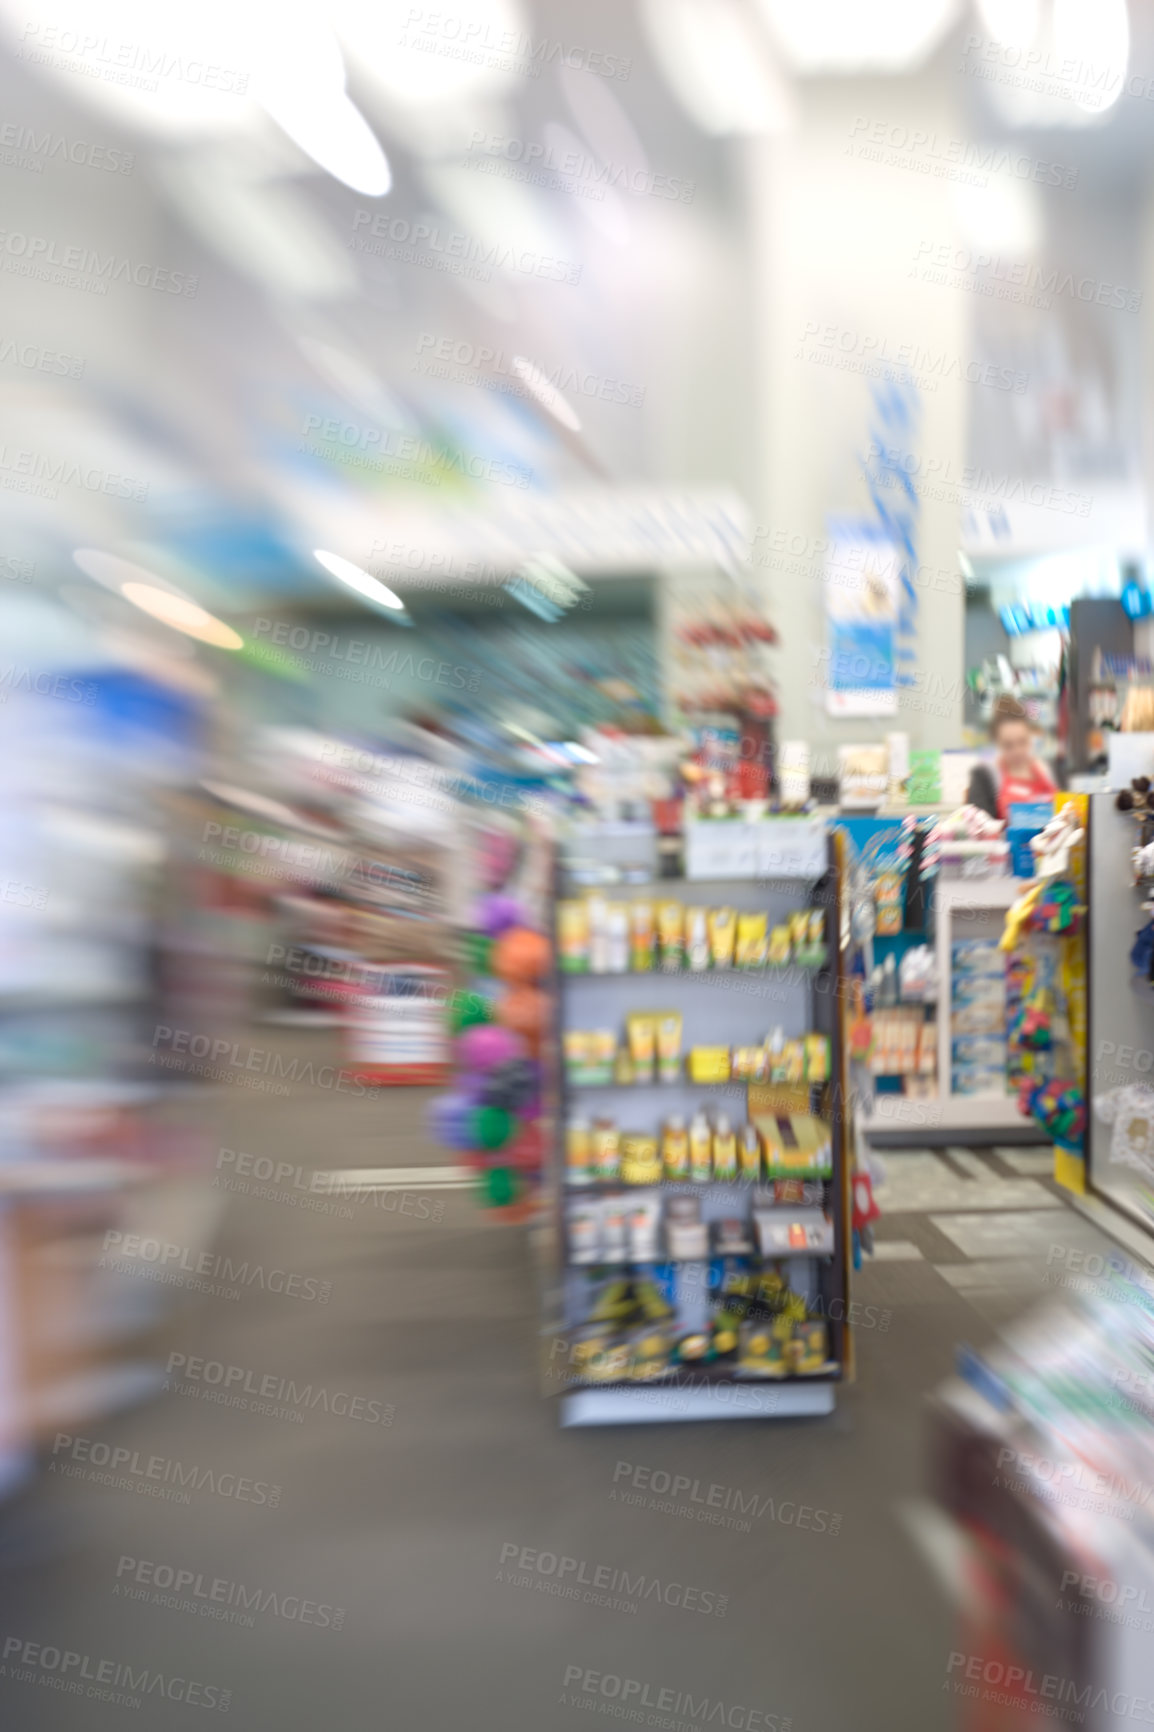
{"x":721,"y":1007}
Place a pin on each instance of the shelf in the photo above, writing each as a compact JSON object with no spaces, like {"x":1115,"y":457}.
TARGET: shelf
{"x":740,"y":1082}
{"x":655,"y":1403}
{"x":607,"y":1187}
{"x":689,"y":1376}
{"x":771,"y":971}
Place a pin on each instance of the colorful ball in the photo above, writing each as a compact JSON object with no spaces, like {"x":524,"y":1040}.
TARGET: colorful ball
{"x":525,"y":1009}
{"x":486,"y":1045}
{"x":469,"y":1010}
{"x":489,"y":1127}
{"x":478,"y":947}
{"x":450,"y":1118}
{"x":497,"y":913}
{"x":521,"y":955}
{"x":498,"y":1187}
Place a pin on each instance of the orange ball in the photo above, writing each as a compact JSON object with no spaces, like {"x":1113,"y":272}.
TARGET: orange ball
{"x":520,"y":955}
{"x":526,"y":1010}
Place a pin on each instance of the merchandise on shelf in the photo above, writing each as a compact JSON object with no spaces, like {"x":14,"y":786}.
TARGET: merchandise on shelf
{"x":597,"y":936}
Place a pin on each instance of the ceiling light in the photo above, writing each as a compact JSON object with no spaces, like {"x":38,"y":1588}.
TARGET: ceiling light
{"x":182,"y":615}
{"x":346,"y":572}
{"x":853,"y":36}
{"x":723,"y":76}
{"x":153,"y":595}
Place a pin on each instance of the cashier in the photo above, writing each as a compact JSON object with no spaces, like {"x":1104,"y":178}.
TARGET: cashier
{"x":1016,"y":775}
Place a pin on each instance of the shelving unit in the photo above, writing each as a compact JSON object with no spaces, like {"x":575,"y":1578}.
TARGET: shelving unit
{"x":723,"y":1007}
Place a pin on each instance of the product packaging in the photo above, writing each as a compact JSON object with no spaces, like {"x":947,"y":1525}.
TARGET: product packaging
{"x":578,"y":1151}
{"x":724,"y":1150}
{"x":709,"y":1064}
{"x":640,"y":1159}
{"x":584,"y":1232}
{"x":624,"y":1072}
{"x":644,"y":1220}
{"x":686,"y":1233}
{"x":816,"y":1058}
{"x":641,"y":1028}
{"x":606,"y":1147}
{"x":671,"y":935}
{"x":749,"y":1154}
{"x":614,"y":1230}
{"x":642,"y":936}
{"x":779,"y":947}
{"x":722,"y":924}
{"x":749,"y":1064}
{"x":752,"y":941}
{"x":573,"y":937}
{"x":597,"y":913}
{"x":888,"y":896}
{"x":675,"y":1148}
{"x":650,"y":1351}
{"x":668,"y":1037}
{"x":700,"y":1150}
{"x":618,"y":948}
{"x":697,"y":939}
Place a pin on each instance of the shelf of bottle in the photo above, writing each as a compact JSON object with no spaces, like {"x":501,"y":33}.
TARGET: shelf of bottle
{"x":770,"y":971}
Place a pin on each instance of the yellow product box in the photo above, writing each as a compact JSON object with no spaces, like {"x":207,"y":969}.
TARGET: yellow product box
{"x":709,"y":1064}
{"x":640,"y":1159}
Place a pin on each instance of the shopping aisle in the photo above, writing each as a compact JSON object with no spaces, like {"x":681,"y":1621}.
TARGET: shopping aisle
{"x":781,"y":1580}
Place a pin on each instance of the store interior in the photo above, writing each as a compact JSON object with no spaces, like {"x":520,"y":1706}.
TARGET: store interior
{"x":577,"y":864}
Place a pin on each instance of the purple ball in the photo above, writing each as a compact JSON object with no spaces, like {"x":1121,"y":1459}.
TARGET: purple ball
{"x":487,"y":1044}
{"x":497,"y":913}
{"x":470,"y":1085}
{"x":449,"y":1119}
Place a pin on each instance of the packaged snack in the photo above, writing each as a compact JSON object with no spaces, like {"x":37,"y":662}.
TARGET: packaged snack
{"x":779,"y":947}
{"x":700,"y":1150}
{"x":751,"y":941}
{"x":584,"y":1232}
{"x":640,"y":1159}
{"x":597,"y":912}
{"x":578,"y":1151}
{"x":675,"y":1148}
{"x":618,"y":948}
{"x":668,"y":1035}
{"x":606,"y":1145}
{"x":816,"y":1058}
{"x":709,"y":1064}
{"x":722,"y":925}
{"x":798,"y":928}
{"x":573,"y":937}
{"x":641,"y":1029}
{"x":642,"y":936}
{"x":671,"y":935}
{"x":644,"y":1220}
{"x":697,"y":938}
{"x":724,"y":1149}
{"x":749,"y":1154}
{"x":685,"y":1231}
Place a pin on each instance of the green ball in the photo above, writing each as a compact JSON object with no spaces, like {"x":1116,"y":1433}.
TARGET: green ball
{"x":469,"y":1009}
{"x":490,"y":1127}
{"x":478,"y":952}
{"x":498,"y":1187}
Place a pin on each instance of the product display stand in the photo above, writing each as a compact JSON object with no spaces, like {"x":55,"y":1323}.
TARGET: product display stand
{"x":968,"y":908}
{"x":719,"y":1007}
